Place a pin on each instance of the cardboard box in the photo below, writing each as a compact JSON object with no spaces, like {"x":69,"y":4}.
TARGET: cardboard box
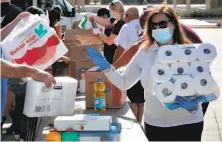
{"x":83,"y":123}
{"x":77,"y":66}
{"x":78,"y":53}
{"x":81,"y":37}
{"x":115,"y":98}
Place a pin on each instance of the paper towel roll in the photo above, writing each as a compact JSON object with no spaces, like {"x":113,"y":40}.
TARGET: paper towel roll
{"x":164,"y":92}
{"x":206,"y":52}
{"x":82,"y":86}
{"x":198,"y":67}
{"x":180,"y":68}
{"x":188,"y":53}
{"x":168,"y":54}
{"x":204,"y":84}
{"x":160,"y":72}
{"x":184,"y":86}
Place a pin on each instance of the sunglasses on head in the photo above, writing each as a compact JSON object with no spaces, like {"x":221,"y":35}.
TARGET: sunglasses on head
{"x":161,"y":25}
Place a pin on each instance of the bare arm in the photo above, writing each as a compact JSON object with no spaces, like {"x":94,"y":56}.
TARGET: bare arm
{"x":10,"y":70}
{"x":102,"y":21}
{"x":108,"y":40}
{"x":125,"y":58}
{"x":119,"y":51}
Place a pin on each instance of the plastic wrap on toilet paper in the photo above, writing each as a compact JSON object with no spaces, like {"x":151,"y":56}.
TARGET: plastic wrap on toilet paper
{"x":165,"y":92}
{"x":180,"y":69}
{"x":33,"y":42}
{"x":56,"y":100}
{"x":168,"y":54}
{"x":188,"y":53}
{"x":206,"y":52}
{"x":184,"y":86}
{"x":204,"y":84}
{"x":161,"y":72}
{"x":198,"y":67}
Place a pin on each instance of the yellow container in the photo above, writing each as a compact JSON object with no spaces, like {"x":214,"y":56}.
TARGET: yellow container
{"x":99,"y":95}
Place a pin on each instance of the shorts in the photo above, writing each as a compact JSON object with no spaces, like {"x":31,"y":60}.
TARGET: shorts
{"x":136,"y":93}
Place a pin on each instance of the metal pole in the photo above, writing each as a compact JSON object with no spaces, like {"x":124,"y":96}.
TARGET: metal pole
{"x":174,"y":4}
{"x":188,"y":4}
{"x":208,"y":4}
{"x":34,"y":2}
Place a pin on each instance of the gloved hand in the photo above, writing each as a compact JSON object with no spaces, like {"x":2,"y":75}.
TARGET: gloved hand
{"x":187,"y":103}
{"x":97,"y":58}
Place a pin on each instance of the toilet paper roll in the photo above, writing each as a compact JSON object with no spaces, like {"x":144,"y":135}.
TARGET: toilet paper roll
{"x":204,"y":84}
{"x":184,"y":86}
{"x":188,"y":53}
{"x":160,"y":72}
{"x":180,"y":68}
{"x":206,"y":52}
{"x":165,"y":92}
{"x":198,"y":67}
{"x":168,"y":54}
{"x":82,"y":86}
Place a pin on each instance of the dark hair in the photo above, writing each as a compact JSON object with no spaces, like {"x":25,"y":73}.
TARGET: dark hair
{"x":48,"y":5}
{"x":178,"y":34}
{"x":58,"y":8}
{"x":35,"y":10}
{"x":103,"y":12}
{"x":54,"y":16}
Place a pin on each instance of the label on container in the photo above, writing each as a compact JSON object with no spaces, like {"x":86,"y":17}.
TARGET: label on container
{"x":99,"y":103}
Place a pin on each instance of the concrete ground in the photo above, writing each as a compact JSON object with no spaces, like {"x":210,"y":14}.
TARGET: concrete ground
{"x":213,"y":119}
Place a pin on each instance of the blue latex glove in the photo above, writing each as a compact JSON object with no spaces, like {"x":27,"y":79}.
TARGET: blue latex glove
{"x":187,"y":103}
{"x":97,"y":58}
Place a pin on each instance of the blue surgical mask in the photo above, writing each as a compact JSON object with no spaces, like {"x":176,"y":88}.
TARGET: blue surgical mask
{"x":162,"y":35}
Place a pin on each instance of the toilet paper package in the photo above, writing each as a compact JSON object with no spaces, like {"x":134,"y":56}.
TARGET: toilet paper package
{"x":32,"y":42}
{"x":180,"y":69}
{"x":56,"y":100}
{"x":168,"y":54}
{"x":161,"y":72}
{"x":184,"y":86}
{"x":188,"y":53}
{"x":206,"y":52}
{"x":198,"y":67}
{"x":165,"y":92}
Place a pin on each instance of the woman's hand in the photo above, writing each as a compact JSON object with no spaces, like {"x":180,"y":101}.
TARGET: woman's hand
{"x":97,"y":58}
{"x":65,"y":59}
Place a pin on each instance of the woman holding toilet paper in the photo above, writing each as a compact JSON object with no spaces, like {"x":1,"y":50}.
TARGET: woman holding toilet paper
{"x":161,"y":124}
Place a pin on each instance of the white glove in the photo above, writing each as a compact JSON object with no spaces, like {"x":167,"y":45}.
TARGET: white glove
{"x":96,"y":31}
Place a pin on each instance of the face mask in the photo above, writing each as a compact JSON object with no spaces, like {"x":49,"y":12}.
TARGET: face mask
{"x":111,"y":14}
{"x":162,"y":35}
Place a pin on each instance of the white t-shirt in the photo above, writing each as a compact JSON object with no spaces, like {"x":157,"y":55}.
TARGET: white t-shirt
{"x":129,"y":34}
{"x":155,"y":113}
{"x":1,"y":19}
